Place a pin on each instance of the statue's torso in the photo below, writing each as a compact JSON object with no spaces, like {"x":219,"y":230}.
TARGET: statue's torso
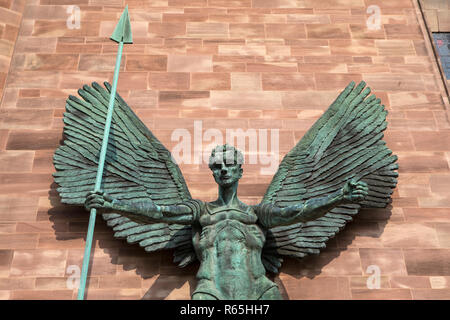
{"x":229,"y":244}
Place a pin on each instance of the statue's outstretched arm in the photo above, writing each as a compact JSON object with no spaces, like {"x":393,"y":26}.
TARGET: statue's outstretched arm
{"x":272,"y":216}
{"x":147,"y":211}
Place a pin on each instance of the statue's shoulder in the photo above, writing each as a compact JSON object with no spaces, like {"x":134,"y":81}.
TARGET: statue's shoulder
{"x":244,"y":207}
{"x":213,"y":206}
{"x":195,"y":204}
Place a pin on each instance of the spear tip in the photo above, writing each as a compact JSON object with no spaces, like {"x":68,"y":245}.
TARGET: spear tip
{"x":122,"y":32}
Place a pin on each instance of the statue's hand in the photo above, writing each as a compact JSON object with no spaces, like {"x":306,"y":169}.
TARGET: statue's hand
{"x":355,"y":191}
{"x":98,"y":200}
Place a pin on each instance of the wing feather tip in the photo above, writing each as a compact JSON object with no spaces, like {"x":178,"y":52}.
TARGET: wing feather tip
{"x":107,"y":85}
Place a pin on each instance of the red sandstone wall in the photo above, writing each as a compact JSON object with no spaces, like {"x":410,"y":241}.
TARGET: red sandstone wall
{"x":10,"y":18}
{"x":274,"y":64}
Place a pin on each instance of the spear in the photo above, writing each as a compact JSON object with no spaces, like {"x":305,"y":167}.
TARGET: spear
{"x":121,"y":34}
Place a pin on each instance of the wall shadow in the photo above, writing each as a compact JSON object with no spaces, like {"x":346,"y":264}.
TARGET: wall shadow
{"x":71,"y":222}
{"x":367,"y":223}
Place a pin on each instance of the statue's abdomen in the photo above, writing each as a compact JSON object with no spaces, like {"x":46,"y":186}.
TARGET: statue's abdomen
{"x":230,"y":252}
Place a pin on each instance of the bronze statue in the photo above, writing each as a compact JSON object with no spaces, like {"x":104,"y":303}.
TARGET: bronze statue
{"x":339,"y":166}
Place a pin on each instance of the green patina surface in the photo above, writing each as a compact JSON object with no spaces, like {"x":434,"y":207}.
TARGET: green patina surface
{"x":340,"y":166}
{"x":122,"y":34}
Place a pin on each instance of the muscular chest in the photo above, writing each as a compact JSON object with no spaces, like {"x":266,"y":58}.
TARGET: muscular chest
{"x":212,"y":215}
{"x":222,"y":225}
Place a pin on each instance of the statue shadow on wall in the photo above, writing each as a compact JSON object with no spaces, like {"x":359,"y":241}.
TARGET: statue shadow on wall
{"x":368,"y":226}
{"x":70,"y":222}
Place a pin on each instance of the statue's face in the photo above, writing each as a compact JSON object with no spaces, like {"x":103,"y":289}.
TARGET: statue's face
{"x":226,"y":174}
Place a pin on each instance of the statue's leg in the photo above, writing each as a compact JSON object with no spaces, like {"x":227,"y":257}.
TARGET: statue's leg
{"x":271,"y":294}
{"x":203,"y":296}
{"x":205,"y":290}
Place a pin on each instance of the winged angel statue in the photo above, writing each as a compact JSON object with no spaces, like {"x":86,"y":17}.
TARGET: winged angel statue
{"x":339,"y":166}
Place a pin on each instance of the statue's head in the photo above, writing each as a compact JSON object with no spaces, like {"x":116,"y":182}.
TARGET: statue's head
{"x":225,"y":162}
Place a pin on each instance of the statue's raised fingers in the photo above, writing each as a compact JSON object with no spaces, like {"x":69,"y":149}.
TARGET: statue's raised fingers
{"x":358,"y":197}
{"x":88,"y":205}
{"x":90,"y":193}
{"x":94,"y":197}
{"x":362,"y":187}
{"x":360,"y":192}
{"x":93,"y":206}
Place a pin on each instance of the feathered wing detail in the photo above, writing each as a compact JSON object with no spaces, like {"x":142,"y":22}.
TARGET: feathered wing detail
{"x":138,"y":167}
{"x":345,"y":143}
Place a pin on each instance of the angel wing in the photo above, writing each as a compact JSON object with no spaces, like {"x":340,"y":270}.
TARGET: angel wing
{"x":137,"y":167}
{"x":345,"y":143}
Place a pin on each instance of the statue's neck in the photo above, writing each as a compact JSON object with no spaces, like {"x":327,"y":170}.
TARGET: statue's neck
{"x":228,"y":195}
